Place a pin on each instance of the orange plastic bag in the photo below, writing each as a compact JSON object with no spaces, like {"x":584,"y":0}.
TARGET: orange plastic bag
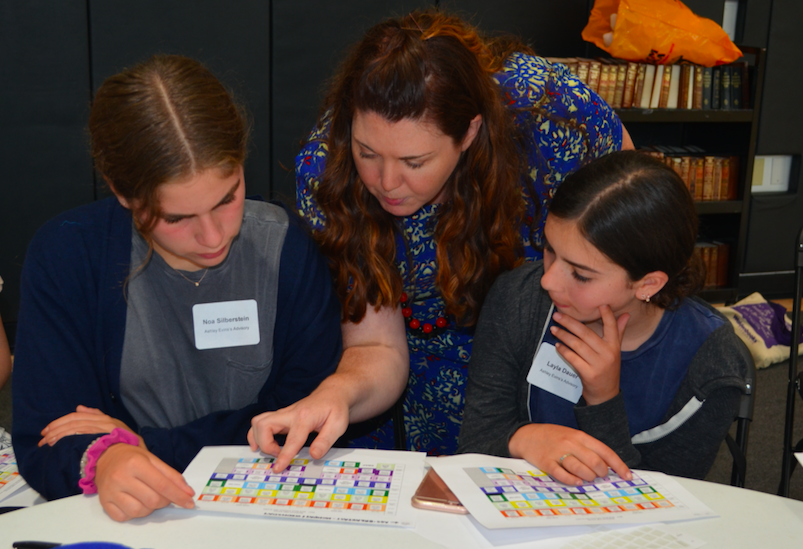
{"x":659,"y":31}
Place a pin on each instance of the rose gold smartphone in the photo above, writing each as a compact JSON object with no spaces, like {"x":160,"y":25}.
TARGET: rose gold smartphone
{"x":433,"y":494}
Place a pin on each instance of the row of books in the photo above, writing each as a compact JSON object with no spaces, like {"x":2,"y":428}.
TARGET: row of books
{"x":626,"y":84}
{"x":708,"y":177}
{"x":716,"y":257}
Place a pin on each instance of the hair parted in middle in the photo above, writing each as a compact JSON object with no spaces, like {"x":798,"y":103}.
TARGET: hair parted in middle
{"x":163,"y":120}
{"x":639,"y":213}
{"x":432,"y":67}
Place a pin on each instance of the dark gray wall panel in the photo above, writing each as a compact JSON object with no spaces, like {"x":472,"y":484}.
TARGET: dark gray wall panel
{"x":775,"y":221}
{"x":309,"y":40}
{"x":44,"y":99}
{"x":231,"y":38}
{"x":552,"y":29}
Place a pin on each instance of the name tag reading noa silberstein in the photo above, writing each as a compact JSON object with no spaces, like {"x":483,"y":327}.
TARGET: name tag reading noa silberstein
{"x":225,"y":324}
{"x":552,"y":373}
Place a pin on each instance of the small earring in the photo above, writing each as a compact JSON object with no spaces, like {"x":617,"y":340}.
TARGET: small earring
{"x":646,"y":298}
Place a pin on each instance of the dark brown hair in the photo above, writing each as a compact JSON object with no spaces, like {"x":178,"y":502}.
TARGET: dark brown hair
{"x":638,"y":212}
{"x":432,"y":67}
{"x":163,"y":120}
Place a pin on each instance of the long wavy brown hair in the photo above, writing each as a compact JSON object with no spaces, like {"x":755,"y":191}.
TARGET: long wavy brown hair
{"x":433,"y":67}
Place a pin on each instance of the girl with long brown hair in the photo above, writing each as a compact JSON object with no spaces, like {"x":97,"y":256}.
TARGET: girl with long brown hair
{"x":426,"y":177}
{"x":162,"y":319}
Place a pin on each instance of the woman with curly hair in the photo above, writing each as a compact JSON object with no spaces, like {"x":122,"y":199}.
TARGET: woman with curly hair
{"x":425,"y":178}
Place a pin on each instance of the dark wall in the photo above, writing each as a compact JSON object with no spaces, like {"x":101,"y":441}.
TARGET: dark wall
{"x":44,"y":100}
{"x":775,"y":220}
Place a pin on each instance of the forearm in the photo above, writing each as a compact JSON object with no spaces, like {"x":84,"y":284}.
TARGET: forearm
{"x":607,"y":422}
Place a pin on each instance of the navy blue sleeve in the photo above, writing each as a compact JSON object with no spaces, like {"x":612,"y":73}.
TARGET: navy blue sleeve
{"x":307,"y":347}
{"x":61,"y":348}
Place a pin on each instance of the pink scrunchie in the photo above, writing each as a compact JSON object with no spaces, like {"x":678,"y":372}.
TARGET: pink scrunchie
{"x":93,"y":453}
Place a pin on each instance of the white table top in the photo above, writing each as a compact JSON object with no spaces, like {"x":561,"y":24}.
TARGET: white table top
{"x":747,"y":519}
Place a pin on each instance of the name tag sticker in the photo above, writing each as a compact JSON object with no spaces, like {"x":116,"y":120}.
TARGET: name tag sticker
{"x":225,"y":324}
{"x":552,"y":373}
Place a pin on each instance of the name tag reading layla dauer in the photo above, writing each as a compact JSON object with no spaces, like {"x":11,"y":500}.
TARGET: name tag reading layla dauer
{"x":225,"y":324}
{"x":552,"y":373}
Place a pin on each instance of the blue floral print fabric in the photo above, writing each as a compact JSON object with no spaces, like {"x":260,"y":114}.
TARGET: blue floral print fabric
{"x":563,"y":125}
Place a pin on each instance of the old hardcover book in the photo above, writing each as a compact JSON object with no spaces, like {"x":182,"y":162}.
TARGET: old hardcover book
{"x":594,"y":68}
{"x":638,"y":87}
{"x":685,"y":172}
{"x":646,"y":90}
{"x":707,"y":87}
{"x":699,"y":178}
{"x":723,"y":264}
{"x":726,"y":89}
{"x":674,"y":88}
{"x":582,"y":70}
{"x":619,"y":87}
{"x":697,"y":92}
{"x":717,"y":178}
{"x":666,"y":82}
{"x":736,"y":85}
{"x":716,"y":87}
{"x":605,"y":88}
{"x":683,"y":90}
{"x":630,"y":85}
{"x":693,"y":176}
{"x":655,"y":96}
{"x":724,"y":178}
{"x":708,"y":178}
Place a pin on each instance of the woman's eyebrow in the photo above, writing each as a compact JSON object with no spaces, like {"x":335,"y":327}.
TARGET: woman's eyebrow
{"x":411,"y":157}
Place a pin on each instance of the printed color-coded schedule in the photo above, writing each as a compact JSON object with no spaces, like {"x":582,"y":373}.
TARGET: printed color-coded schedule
{"x":511,"y":493}
{"x":534,"y":493}
{"x":364,"y":486}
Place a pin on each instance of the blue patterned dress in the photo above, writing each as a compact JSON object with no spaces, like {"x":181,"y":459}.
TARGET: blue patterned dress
{"x":574,"y":125}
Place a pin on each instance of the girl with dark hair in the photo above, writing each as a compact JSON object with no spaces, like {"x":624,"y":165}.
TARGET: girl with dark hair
{"x":600,"y":356}
{"x":162,"y":319}
{"x":427,"y":176}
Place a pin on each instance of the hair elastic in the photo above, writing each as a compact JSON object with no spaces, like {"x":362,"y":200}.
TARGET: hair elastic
{"x":89,"y":461}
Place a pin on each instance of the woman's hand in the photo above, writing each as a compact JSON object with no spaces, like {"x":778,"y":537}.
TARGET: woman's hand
{"x":325,"y":411}
{"x":84,"y":421}
{"x":567,"y":455}
{"x":132,"y":483}
{"x":596,"y":359}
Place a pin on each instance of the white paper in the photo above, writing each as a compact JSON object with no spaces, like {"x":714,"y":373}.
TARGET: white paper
{"x":511,"y":493}
{"x":352,"y":486}
{"x":10,"y":479}
{"x":799,"y":457}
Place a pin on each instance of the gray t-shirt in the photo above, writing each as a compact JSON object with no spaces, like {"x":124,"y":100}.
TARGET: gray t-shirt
{"x":165,"y":381}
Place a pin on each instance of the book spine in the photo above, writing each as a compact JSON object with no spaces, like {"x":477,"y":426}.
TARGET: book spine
{"x":646,"y":91}
{"x":716,"y":87}
{"x":713,"y":264}
{"x":594,"y":68}
{"x":697,"y":92}
{"x":663,"y":100}
{"x":699,"y":178}
{"x":693,"y":177}
{"x":582,"y":70}
{"x":685,"y":172}
{"x":605,"y":83}
{"x":674,"y":88}
{"x":745,"y":83}
{"x":630,"y":85}
{"x":716,"y":184}
{"x":707,"y":87}
{"x":708,"y":178}
{"x":736,"y":87}
{"x":727,"y":88}
{"x":724,"y":178}
{"x":655,"y":96}
{"x":619,"y":88}
{"x":638,"y":87}
{"x":683,"y":89}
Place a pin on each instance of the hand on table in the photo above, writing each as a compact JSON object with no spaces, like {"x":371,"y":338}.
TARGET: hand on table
{"x":132,"y":483}
{"x":324,"y":412}
{"x":568,"y":455}
{"x":84,"y":421}
{"x":596,"y":359}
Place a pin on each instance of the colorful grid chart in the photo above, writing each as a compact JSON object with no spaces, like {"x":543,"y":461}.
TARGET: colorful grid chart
{"x":8,"y":468}
{"x":534,"y":493}
{"x":336,"y":485}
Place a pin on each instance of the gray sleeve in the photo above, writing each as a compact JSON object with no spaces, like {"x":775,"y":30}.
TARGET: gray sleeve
{"x":716,"y":379}
{"x":507,"y":334}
